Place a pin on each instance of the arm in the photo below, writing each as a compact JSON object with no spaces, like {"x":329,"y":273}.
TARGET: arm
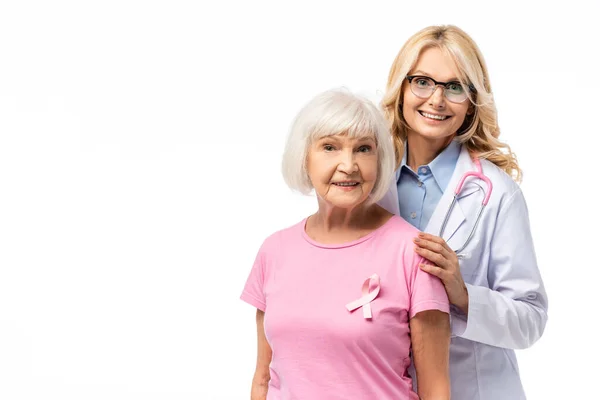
{"x":260,"y":381}
{"x":511,"y":311}
{"x":430,"y":337}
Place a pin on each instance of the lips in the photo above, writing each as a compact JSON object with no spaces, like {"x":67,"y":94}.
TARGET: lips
{"x":346,"y":184}
{"x":436,"y":117}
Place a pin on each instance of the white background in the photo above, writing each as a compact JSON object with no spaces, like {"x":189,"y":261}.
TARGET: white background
{"x":140,"y":146}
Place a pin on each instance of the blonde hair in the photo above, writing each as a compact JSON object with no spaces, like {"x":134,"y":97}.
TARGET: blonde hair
{"x":480,"y":131}
{"x":337,"y":112}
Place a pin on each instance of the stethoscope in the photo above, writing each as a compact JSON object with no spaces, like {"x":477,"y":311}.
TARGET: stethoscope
{"x":477,"y":174}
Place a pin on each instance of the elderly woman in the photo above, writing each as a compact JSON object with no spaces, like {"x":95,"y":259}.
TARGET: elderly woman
{"x":341,"y":301}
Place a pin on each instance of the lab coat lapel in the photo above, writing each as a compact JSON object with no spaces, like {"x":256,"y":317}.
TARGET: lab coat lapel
{"x":457,"y":216}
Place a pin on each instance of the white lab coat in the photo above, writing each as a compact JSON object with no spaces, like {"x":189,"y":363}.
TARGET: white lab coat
{"x":507,"y":300}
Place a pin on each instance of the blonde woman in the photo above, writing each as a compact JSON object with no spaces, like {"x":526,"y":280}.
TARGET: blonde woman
{"x":441,"y":111}
{"x":340,"y":298}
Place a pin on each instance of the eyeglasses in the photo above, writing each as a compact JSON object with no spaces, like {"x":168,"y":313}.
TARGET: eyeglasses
{"x":424,"y":87}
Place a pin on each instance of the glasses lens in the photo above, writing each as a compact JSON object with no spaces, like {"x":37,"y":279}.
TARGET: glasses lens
{"x":422,"y":86}
{"x":455,"y":92}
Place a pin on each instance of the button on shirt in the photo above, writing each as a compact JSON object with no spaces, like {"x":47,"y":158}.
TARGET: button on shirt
{"x":419,"y":193}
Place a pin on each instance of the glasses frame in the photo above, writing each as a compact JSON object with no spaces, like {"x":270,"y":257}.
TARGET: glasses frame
{"x":470,"y":87}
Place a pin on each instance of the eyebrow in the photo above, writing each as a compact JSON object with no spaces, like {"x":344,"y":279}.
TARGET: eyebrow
{"x":366,"y":139}
{"x":419,"y":72}
{"x":329,"y":138}
{"x":360,"y":139}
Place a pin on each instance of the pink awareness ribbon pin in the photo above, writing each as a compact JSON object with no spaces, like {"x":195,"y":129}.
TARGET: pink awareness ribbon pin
{"x":370,"y":290}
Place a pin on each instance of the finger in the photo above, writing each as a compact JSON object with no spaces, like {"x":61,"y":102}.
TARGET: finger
{"x":435,"y":239}
{"x":433,"y":246}
{"x":433,"y":270}
{"x":436,"y":258}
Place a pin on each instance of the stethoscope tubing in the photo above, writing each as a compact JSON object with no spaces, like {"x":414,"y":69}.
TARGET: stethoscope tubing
{"x":477,"y":174}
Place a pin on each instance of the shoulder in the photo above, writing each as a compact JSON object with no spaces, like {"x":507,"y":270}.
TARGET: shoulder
{"x":504,"y":187}
{"x":397,"y":230}
{"x":399,"y":225}
{"x":274,"y":241}
{"x":395,"y":244}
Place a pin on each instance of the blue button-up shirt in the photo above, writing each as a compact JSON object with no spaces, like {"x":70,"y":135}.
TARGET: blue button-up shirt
{"x":420,"y":192}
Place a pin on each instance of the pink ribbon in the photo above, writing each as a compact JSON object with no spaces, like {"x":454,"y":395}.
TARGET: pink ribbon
{"x":370,"y":290}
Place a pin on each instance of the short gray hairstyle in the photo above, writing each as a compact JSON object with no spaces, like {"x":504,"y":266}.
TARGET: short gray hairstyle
{"x":337,"y":112}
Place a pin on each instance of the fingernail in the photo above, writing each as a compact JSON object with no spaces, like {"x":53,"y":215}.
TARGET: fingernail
{"x":421,"y":234}
{"x":417,"y":239}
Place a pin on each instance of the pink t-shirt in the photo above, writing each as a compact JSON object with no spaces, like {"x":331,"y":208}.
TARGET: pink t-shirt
{"x":321,"y":350}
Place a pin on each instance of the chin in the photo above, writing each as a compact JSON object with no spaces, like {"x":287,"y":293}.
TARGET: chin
{"x":347,"y":204}
{"x":434,"y":134}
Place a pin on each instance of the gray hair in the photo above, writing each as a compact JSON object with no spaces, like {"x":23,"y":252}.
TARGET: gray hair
{"x":336,"y":112}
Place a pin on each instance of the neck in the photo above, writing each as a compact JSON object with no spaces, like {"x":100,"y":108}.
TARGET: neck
{"x":329,"y":218}
{"x":338,"y":225}
{"x":422,"y":151}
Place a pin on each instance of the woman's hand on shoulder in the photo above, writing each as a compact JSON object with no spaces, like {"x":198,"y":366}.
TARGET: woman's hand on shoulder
{"x":446,"y":267}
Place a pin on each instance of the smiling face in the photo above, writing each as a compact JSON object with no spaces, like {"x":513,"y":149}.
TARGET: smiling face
{"x":342,"y":169}
{"x":433,"y":118}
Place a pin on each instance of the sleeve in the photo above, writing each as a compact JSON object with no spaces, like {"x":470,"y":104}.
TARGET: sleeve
{"x":253,"y":292}
{"x":426,"y":291}
{"x":512,"y":311}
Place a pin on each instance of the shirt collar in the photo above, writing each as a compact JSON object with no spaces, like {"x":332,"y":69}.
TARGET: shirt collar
{"x":442,"y":167}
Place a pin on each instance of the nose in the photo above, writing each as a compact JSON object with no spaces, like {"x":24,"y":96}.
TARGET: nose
{"x":437,"y":98}
{"x":347,"y":162}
